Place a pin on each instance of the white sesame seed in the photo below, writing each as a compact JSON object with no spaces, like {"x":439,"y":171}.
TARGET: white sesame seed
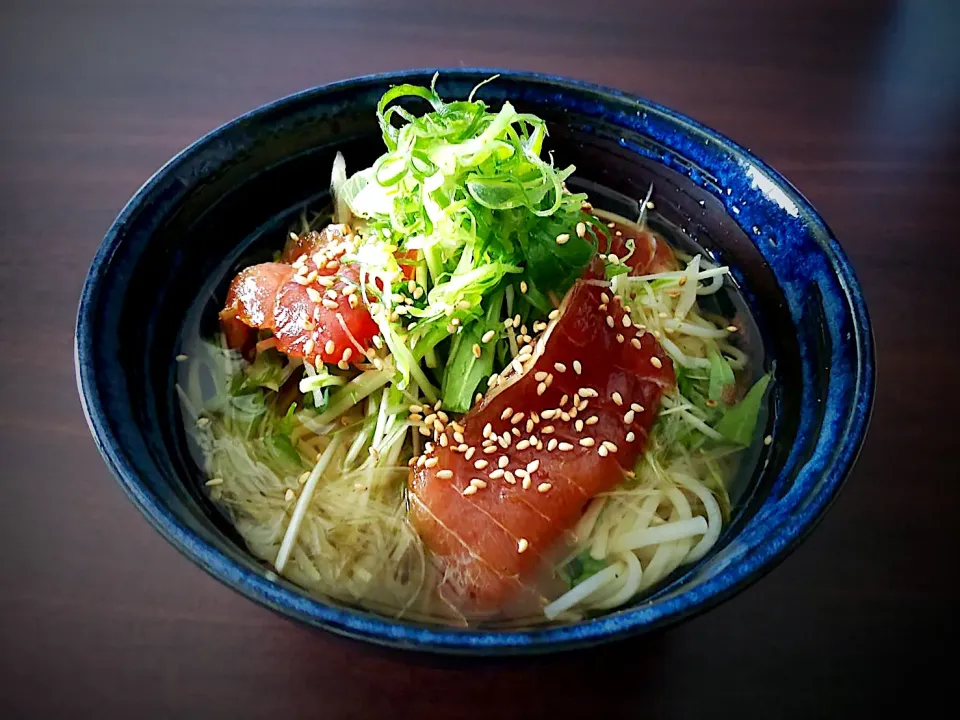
{"x":488,"y":336}
{"x":212,"y":482}
{"x":565,"y":447}
{"x":577,"y":367}
{"x":656,"y":362}
{"x":443,"y":441}
{"x":552,"y":445}
{"x":508,"y":476}
{"x":563,"y":238}
{"x":478,"y":483}
{"x":314,"y":295}
{"x":517,"y":417}
{"x":617,"y":398}
{"x":445,"y":474}
{"x":627,"y":322}
{"x":592,"y":420}
{"x":308,"y":346}
{"x":610,"y":446}
{"x":458,"y":436}
{"x":628,"y":417}
{"x":579,"y":425}
{"x":541,"y":388}
{"x":471,"y":451}
{"x":547,"y":430}
{"x":533,"y":466}
{"x":554,"y":314}
{"x":587,"y":442}
{"x":523,"y":445}
{"x":503,"y":461}
{"x":347,"y":354}
{"x":602,"y":451}
{"x":203,"y":421}
{"x":523,"y":286}
{"x":768,"y":440}
{"x":588,"y":392}
{"x":470,"y":490}
{"x":635,"y":343}
{"x":620,"y":338}
{"x":544,"y":487}
{"x":477,"y":352}
{"x":496,"y":474}
{"x":522,"y":545}
{"x":506,"y":413}
{"x":490,"y":449}
{"x":581,"y":229}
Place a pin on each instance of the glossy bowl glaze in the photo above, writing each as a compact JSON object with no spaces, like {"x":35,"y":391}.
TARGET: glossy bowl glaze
{"x":230,"y":195}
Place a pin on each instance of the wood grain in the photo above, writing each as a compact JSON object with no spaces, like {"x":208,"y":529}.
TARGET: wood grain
{"x":857,"y":102}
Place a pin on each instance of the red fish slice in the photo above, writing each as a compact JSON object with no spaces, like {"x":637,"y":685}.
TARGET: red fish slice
{"x":312,"y":304}
{"x":577,"y":417}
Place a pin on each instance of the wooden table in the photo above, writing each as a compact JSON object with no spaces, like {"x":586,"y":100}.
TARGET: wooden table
{"x":858,"y":103}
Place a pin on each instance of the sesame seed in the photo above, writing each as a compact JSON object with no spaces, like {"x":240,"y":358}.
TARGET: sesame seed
{"x":602,"y":451}
{"x":523,"y":286}
{"x":523,"y":445}
{"x":517,"y":417}
{"x":656,"y":362}
{"x":768,"y":440}
{"x":477,"y":352}
{"x":620,"y":338}
{"x":547,"y":430}
{"x":732,"y":328}
{"x":445,"y":474}
{"x":611,"y":225}
{"x":490,"y":449}
{"x":610,"y":446}
{"x":480,"y":464}
{"x":577,"y":367}
{"x":581,"y":229}
{"x":627,"y":322}
{"x":533,"y":466}
{"x":592,"y":420}
{"x":548,"y":413}
{"x":565,"y":447}
{"x":508,"y":476}
{"x":552,"y":445}
{"x":329,"y":304}
{"x":443,"y":441}
{"x":541,"y":388}
{"x":301,"y":280}
{"x":214,"y":481}
{"x":378,"y":341}
{"x":488,"y":336}
{"x":415,"y":408}
{"x":617,"y":398}
{"x":610,"y":322}
{"x":635,"y":343}
{"x":579,"y":425}
{"x":563,"y":238}
{"x":492,"y":380}
{"x":588,"y":392}
{"x":540,"y":376}
{"x":496,"y":474}
{"x":424,"y":430}
{"x":506,"y":413}
{"x":347,"y":354}
{"x":203,"y":421}
{"x":503,"y":461}
{"x":314,"y":295}
{"x":308,"y":346}
{"x":628,"y":417}
{"x":458,"y":436}
{"x":471,"y":451}
{"x":522,"y":545}
{"x":478,"y":483}
{"x":636,"y":407}
{"x":587,"y":442}
{"x":470,"y":490}
{"x":614,"y":260}
{"x":554,"y":314}
{"x":544,"y":487}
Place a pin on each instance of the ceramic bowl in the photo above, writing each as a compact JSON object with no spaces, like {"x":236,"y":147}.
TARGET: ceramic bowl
{"x":230,"y":195}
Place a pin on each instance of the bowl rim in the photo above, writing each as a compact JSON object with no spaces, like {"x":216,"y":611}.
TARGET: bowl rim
{"x":768,"y":553}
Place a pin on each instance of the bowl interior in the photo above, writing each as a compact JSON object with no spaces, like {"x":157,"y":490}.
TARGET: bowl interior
{"x":228,"y":200}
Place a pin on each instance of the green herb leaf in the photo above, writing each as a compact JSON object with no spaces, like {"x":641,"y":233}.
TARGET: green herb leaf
{"x":721,"y":376}
{"x":739,"y":423}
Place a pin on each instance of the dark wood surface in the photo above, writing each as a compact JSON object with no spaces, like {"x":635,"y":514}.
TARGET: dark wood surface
{"x":858,"y":103}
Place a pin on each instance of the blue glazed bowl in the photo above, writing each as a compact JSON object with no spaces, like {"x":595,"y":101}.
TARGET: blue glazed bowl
{"x":230,"y":195}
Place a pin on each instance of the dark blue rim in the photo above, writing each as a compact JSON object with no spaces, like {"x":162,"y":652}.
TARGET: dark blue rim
{"x":773,"y":549}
